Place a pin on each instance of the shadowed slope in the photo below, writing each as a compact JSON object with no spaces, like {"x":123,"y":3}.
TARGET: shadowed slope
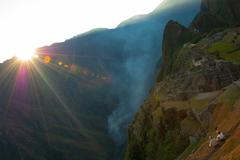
{"x":47,"y":114}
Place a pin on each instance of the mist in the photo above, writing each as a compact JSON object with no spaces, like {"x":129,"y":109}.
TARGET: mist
{"x":144,"y":49}
{"x":131,"y":55}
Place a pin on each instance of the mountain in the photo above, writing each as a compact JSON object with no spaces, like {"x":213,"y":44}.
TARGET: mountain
{"x":124,"y":53}
{"x":174,"y":37}
{"x":75,"y":100}
{"x":49,"y":113}
{"x":217,"y":14}
{"x":197,"y":91}
{"x":226,"y":10}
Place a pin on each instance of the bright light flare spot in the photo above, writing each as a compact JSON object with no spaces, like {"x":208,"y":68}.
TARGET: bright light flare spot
{"x":24,"y":56}
{"x":66,"y":66}
{"x":35,"y":56}
{"x":60,"y":63}
{"x":47,"y":59}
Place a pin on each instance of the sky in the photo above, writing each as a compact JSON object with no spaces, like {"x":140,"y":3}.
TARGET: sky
{"x":29,"y":24}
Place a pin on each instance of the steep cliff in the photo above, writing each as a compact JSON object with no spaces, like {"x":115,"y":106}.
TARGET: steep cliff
{"x":198,"y":90}
{"x":226,"y":10}
{"x":217,"y":14}
{"x":123,"y":54}
{"x":186,"y":105}
{"x":175,"y":35}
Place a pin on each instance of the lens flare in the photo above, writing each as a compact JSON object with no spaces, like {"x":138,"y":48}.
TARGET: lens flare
{"x":47,"y":59}
{"x":25,"y":56}
{"x":60,"y":63}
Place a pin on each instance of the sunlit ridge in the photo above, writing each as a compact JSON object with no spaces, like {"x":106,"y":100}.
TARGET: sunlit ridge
{"x":21,"y":30}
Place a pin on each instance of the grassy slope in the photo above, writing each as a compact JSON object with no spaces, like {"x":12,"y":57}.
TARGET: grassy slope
{"x":227,"y":48}
{"x":226,"y":116}
{"x":163,"y":127}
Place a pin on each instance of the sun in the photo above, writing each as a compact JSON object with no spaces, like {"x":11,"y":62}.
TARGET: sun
{"x":25,"y":56}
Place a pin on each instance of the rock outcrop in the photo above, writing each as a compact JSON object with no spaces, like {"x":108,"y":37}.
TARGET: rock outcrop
{"x":197,"y":91}
{"x":175,"y":35}
{"x":217,"y":14}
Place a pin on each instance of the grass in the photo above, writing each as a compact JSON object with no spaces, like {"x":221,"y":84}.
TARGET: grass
{"x":234,"y":155}
{"x":200,"y":104}
{"x":221,"y":47}
{"x":190,"y":126}
{"x":157,"y":115}
{"x":226,"y":103}
{"x":159,"y":97}
{"x":228,"y":44}
{"x":187,"y":151}
{"x":230,"y":37}
{"x":229,"y":146}
{"x":230,"y":122}
{"x":190,"y":149}
{"x":230,"y":96}
{"x":232,"y":57}
{"x":178,"y":105}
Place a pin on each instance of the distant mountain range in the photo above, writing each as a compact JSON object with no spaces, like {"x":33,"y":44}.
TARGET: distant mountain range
{"x":130,"y":53}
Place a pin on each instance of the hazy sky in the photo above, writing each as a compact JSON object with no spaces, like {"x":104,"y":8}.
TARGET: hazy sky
{"x":28,"y":24}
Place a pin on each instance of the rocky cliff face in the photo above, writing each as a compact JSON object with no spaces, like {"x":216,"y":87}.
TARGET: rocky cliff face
{"x":175,"y":35}
{"x":197,"y":91}
{"x":216,"y":14}
{"x":123,"y":54}
{"x":93,"y":77}
{"x":186,"y":105}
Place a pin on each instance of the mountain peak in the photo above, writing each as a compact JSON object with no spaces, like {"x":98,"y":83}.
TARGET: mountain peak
{"x":217,"y":14}
{"x":175,"y":35}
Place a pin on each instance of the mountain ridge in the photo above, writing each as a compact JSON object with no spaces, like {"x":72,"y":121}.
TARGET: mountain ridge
{"x":128,"y":60}
{"x":79,"y":95}
{"x":197,"y":91}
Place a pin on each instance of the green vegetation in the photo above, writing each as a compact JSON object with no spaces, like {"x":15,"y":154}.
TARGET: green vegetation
{"x":184,"y":110}
{"x":231,"y":95}
{"x":190,"y":125}
{"x":229,"y":146}
{"x":227,"y":48}
{"x":231,"y":38}
{"x":221,"y":47}
{"x":196,"y":39}
{"x":232,"y":57}
{"x":173,"y":145}
{"x":191,"y":149}
{"x":216,"y":30}
{"x":180,"y":60}
{"x":160,"y":137}
{"x":199,"y":104}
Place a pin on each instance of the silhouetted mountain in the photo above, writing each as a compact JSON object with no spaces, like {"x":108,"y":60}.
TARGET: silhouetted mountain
{"x":130,"y":53}
{"x":49,"y":113}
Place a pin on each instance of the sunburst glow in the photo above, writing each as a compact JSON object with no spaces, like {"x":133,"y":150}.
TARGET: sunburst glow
{"x":24,"y":23}
{"x":25,"y":56}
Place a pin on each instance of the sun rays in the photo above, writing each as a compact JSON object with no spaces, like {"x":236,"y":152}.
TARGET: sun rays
{"x":29,"y":73}
{"x":25,"y":65}
{"x":45,"y":94}
{"x":24,"y":57}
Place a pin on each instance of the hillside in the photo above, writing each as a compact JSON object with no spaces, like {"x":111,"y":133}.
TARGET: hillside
{"x":75,"y":100}
{"x":123,"y":54}
{"x":198,"y":89}
{"x":43,"y":118}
